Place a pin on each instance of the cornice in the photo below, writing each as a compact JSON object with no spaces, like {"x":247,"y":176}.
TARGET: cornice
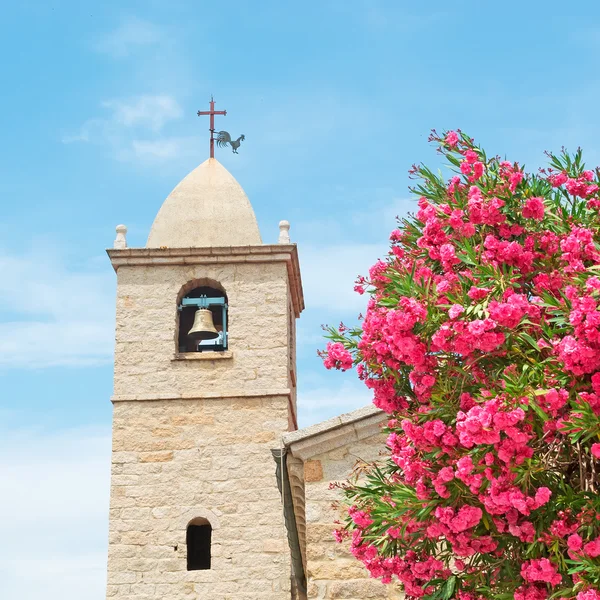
{"x":335,"y":433}
{"x":264,"y":253}
{"x":226,"y":394}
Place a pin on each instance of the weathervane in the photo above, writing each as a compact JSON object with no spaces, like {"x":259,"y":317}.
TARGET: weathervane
{"x":223,"y":137}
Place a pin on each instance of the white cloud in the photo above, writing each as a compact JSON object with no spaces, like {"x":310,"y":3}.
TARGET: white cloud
{"x":132,"y":131}
{"x":51,"y":316}
{"x":55,"y":490}
{"x":162,"y":149}
{"x":150,"y":112}
{"x":131,"y":35}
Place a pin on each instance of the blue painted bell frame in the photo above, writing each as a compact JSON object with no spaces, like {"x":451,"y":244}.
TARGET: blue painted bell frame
{"x":221,"y":342}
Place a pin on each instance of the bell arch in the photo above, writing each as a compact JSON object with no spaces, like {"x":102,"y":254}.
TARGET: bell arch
{"x":201,"y":323}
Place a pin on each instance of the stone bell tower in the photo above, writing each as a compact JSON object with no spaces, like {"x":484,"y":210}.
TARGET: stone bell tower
{"x":195,"y":510}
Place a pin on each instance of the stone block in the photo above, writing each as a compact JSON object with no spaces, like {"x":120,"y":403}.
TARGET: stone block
{"x":358,"y":589}
{"x":276,"y":546}
{"x":313,"y":470}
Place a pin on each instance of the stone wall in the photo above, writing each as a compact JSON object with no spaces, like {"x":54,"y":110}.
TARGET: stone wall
{"x":147,"y":364}
{"x":177,"y":460}
{"x":332,"y":571}
{"x":193,"y":432}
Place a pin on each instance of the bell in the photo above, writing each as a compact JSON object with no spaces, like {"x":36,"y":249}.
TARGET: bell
{"x":203,"y":327}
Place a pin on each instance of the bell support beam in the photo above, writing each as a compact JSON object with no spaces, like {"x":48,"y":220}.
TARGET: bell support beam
{"x":202,"y":302}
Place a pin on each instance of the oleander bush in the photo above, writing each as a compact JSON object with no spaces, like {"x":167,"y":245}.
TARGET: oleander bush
{"x":481,"y":339}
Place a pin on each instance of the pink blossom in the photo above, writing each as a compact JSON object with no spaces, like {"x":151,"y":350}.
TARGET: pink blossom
{"x":455,"y":311}
{"x":589,"y":594}
{"x":478,"y":169}
{"x":337,"y":357}
{"x":542,"y":496}
{"x":451,"y":138}
{"x":515,"y":179}
{"x":534,"y":208}
{"x":531,"y":592}
{"x":477,"y":293}
{"x":574,"y":542}
{"x":540,"y":570}
{"x":471,"y":156}
{"x":592,"y":548}
{"x":360,"y":517}
{"x":558,"y":179}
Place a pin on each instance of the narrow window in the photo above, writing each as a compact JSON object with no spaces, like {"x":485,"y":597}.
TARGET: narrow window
{"x":198,"y":536}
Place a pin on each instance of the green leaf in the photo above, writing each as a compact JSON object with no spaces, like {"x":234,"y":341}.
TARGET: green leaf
{"x":448,"y":589}
{"x":529,"y":339}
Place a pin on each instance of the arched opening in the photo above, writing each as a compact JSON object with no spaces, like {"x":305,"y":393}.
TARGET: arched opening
{"x":202,"y":320}
{"x":198,"y":537}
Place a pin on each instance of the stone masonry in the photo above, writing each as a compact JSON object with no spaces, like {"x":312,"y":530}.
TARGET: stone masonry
{"x":328,"y":453}
{"x":174,"y":460}
{"x":193,"y":432}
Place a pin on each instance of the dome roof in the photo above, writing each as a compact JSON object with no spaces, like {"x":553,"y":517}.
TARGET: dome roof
{"x":207,"y":208}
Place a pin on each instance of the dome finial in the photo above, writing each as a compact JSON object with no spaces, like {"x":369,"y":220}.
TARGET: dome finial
{"x":284,"y":232}
{"x":121,"y":239}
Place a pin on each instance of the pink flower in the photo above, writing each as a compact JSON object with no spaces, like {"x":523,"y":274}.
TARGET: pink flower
{"x":477,"y":293}
{"x":360,"y":517}
{"x":514,"y":180}
{"x":451,"y":138}
{"x":592,"y":548}
{"x":589,"y":594}
{"x":596,"y":450}
{"x":471,"y":156}
{"x":558,"y":179}
{"x":534,"y":208}
{"x":541,"y":570}
{"x":337,"y":357}
{"x":478,"y":169}
{"x":574,"y":542}
{"x":455,"y":311}
{"x":542,"y":496}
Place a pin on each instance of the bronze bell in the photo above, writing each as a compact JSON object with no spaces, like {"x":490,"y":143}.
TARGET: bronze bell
{"x":203,"y":327}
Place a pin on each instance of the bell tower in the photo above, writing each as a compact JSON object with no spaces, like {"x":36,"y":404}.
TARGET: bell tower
{"x":204,"y":388}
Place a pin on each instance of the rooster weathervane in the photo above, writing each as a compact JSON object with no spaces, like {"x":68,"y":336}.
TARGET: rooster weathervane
{"x":223,"y":137}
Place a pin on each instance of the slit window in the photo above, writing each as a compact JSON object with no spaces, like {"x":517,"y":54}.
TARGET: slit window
{"x":198,"y":538}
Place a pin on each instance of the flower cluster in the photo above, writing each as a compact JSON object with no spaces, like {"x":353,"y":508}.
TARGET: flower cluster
{"x":481,"y":339}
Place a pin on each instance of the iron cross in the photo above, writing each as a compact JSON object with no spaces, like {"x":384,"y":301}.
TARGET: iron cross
{"x":212,"y":112}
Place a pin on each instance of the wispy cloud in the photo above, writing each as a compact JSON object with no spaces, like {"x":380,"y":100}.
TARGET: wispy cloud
{"x":55,"y":490}
{"x":132,"y":129}
{"x":149,"y":112}
{"x":130,"y":36}
{"x":162,"y":149}
{"x":51,"y":315}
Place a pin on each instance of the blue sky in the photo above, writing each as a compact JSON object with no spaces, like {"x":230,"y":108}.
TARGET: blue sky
{"x":336,"y":99}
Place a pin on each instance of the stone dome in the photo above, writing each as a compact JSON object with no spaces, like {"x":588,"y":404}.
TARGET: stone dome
{"x":207,"y":208}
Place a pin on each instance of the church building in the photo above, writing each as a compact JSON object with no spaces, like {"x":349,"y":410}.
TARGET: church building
{"x":215,"y":492}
